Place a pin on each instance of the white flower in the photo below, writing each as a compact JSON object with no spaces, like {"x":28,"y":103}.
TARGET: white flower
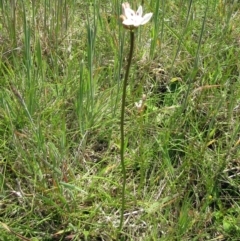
{"x":132,"y":19}
{"x":139,"y":104}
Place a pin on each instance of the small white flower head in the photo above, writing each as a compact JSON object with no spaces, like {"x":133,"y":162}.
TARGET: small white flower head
{"x":131,"y":19}
{"x":140,"y":106}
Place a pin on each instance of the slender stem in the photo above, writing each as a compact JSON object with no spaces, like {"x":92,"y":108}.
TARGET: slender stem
{"x":122,"y":151}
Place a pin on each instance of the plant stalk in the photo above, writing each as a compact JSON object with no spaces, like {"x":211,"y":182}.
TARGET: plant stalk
{"x":122,"y":151}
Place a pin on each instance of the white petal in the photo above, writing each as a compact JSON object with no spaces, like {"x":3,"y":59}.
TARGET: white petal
{"x":124,"y":7}
{"x":138,"y":21}
{"x":128,"y":22}
{"x":146,"y":18}
{"x":136,"y":24}
{"x":129,"y":13}
{"x":139,"y":11}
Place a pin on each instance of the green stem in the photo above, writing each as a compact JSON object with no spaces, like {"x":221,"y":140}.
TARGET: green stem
{"x":122,"y":127}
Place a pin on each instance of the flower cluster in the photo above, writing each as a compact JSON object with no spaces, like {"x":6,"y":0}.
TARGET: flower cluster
{"x":131,"y":19}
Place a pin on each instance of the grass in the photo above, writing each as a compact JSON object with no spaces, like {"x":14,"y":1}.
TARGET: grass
{"x":61,"y":69}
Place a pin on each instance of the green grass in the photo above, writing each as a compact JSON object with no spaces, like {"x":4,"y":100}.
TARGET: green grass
{"x":61,"y":69}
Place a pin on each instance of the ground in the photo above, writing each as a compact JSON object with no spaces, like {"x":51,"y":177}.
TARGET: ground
{"x":62,"y":69}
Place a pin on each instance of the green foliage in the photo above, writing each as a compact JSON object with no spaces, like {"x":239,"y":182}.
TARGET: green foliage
{"x":61,"y":70}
